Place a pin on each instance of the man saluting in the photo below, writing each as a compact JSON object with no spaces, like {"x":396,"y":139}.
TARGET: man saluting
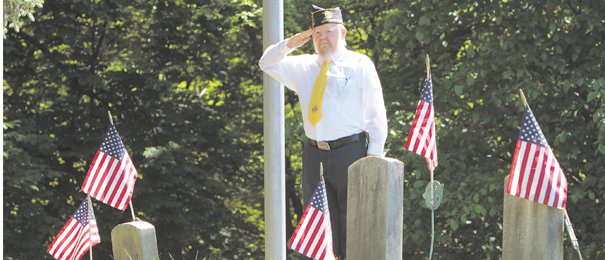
{"x":342,"y":107}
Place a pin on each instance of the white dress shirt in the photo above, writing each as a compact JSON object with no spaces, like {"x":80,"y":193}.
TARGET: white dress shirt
{"x":352,"y":102}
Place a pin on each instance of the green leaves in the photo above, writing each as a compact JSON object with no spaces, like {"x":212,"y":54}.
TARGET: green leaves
{"x":419,"y":36}
{"x":15,"y":9}
{"x":602,"y":148}
{"x":492,"y":50}
{"x":198,"y":156}
{"x":424,"y":21}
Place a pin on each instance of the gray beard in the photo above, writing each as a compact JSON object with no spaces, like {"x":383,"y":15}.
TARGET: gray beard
{"x":328,"y":54}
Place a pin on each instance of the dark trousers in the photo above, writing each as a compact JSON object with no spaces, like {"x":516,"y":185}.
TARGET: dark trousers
{"x":336,"y":163}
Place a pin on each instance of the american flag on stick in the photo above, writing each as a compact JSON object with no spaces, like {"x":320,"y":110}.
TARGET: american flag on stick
{"x":422,"y":138}
{"x":111,"y":176}
{"x":79,"y":234}
{"x":535,"y":173}
{"x":313,"y":235}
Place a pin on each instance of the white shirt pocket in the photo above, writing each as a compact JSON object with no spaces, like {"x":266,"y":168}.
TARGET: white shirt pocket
{"x":339,"y":86}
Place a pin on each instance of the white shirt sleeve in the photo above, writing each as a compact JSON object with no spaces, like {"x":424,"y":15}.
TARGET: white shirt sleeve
{"x":277,"y":64}
{"x":373,"y":106}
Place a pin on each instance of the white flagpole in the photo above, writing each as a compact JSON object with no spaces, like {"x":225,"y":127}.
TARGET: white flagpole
{"x":89,"y":226}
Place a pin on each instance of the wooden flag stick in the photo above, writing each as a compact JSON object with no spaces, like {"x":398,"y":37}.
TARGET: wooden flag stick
{"x":432,"y":213}
{"x":110,"y":118}
{"x":432,"y":190}
{"x":523,"y":97}
{"x":132,"y":210}
{"x":321,"y":169}
{"x":572,"y":235}
{"x":89,"y":226}
{"x":428,"y":66}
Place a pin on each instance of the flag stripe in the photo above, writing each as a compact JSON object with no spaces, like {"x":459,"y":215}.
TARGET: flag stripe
{"x":536,"y":176}
{"x":425,"y":139}
{"x":72,"y":254}
{"x":310,"y":232}
{"x":293,"y":243}
{"x":512,"y":180}
{"x":413,"y":132}
{"x":522,"y":168}
{"x":419,"y":125}
{"x":319,"y":249}
{"x":126,"y":187}
{"x":421,"y":133}
{"x":302,"y":228}
{"x":312,"y":240}
{"x":105,"y":170}
{"x":430,"y":141}
{"x":65,"y":237}
{"x":532,"y":170}
{"x":527,"y":169}
{"x":108,"y":178}
{"x":539,"y":191}
{"x":555,"y":186}
{"x":546,"y":180}
{"x":89,"y":177}
{"x":111,"y":183}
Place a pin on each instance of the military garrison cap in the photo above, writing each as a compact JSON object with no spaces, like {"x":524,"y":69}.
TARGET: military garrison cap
{"x":321,"y":16}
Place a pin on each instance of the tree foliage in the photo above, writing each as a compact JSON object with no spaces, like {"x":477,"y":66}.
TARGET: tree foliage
{"x":482,"y":53}
{"x":180,"y":78}
{"x":176,"y":76}
{"x":13,"y":10}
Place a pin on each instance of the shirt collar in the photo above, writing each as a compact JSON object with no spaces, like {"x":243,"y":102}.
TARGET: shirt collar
{"x":338,"y":54}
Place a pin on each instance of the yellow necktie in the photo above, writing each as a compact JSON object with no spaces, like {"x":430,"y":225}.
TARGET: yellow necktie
{"x":318,"y":94}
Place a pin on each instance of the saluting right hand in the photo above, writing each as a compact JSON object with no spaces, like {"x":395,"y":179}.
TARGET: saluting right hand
{"x":300,"y":39}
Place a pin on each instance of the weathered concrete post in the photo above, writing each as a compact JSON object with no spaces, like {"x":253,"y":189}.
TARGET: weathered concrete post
{"x":531,"y":230}
{"x":375,"y":209}
{"x":134,"y":240}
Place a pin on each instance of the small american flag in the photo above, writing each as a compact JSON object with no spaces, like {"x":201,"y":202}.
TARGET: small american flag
{"x":313,"y":235}
{"x":111,"y":176}
{"x":421,"y":138}
{"x":76,"y":237}
{"x":535,"y":173}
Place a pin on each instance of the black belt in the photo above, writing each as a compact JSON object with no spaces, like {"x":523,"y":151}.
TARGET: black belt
{"x":330,"y":145}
